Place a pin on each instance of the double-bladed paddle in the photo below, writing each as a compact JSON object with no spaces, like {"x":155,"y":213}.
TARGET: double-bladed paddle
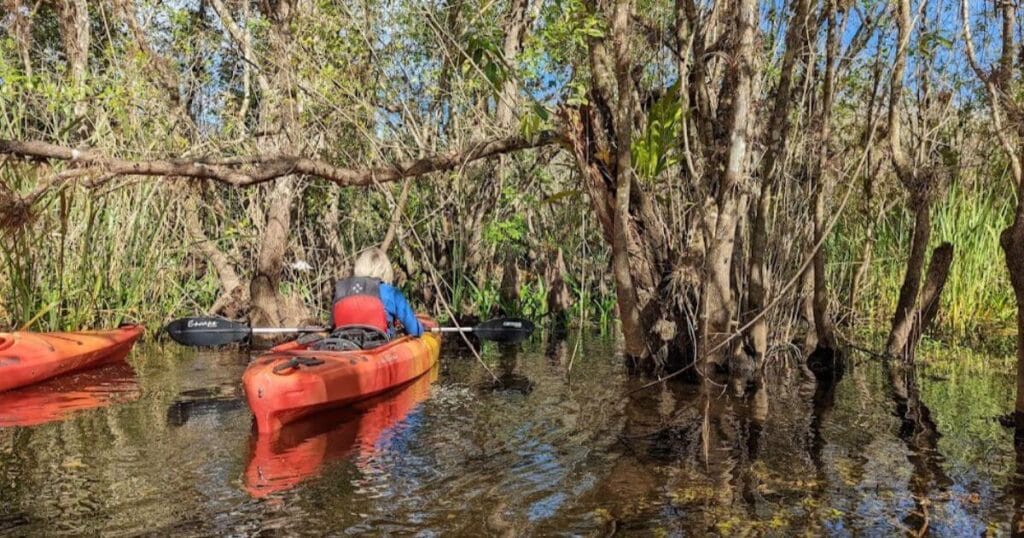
{"x":214,"y":331}
{"x":501,"y":330}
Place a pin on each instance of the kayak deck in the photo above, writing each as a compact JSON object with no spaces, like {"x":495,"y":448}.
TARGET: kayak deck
{"x":28,"y":357}
{"x":280,"y":390}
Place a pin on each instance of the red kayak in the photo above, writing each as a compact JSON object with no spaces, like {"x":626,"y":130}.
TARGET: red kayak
{"x":27,"y":357}
{"x":58,"y":398}
{"x":293,"y":381}
{"x":281,"y":460}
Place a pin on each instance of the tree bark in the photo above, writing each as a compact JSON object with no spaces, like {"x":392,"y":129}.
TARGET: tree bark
{"x":719,"y":303}
{"x":1012,"y":242}
{"x":998,"y":85}
{"x":777,"y":131}
{"x":21,"y":26}
{"x":253,"y":170}
{"x":935,"y":281}
{"x":396,"y":217}
{"x":264,"y":289}
{"x":559,"y":299}
{"x":234,"y":299}
{"x":74,"y":21}
{"x":629,"y":313}
{"x":905,"y":304}
{"x":822,"y":322}
{"x":917,"y":181}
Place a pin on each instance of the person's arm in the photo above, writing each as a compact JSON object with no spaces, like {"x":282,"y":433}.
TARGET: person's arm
{"x":399,"y":308}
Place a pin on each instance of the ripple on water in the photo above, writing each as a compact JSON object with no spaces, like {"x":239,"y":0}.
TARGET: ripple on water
{"x":538,"y":455}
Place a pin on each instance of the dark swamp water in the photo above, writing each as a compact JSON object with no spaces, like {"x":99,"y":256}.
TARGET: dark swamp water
{"x":165,"y":447}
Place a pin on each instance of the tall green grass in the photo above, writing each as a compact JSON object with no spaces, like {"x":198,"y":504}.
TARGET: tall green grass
{"x":96,"y":259}
{"x":977,"y":302}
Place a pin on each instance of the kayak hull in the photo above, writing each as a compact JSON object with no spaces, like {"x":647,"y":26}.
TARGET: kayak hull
{"x":343,"y":378}
{"x":281,"y":460}
{"x":27,"y":358}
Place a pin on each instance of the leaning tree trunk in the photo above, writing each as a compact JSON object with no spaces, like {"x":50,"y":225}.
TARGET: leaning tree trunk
{"x":919,"y":182}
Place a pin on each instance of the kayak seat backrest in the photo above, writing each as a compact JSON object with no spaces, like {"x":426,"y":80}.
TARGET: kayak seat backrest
{"x":352,"y":338}
{"x":336,"y":344}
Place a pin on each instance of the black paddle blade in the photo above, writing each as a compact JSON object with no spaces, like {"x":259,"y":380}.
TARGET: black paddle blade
{"x":504,"y":330}
{"x":206,"y":331}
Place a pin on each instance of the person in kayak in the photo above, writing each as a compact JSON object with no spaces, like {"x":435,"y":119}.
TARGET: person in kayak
{"x":367,"y":298}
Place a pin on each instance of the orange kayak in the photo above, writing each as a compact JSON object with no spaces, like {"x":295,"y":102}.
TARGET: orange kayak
{"x":59,"y":398}
{"x":292,"y":381}
{"x":27,"y":357}
{"x":281,"y":460}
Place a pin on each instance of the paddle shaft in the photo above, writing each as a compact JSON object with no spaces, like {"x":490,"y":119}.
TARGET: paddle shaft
{"x":212,"y":331}
{"x":287,"y":330}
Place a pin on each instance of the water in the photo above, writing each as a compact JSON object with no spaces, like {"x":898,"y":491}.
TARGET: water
{"x":167,"y":447}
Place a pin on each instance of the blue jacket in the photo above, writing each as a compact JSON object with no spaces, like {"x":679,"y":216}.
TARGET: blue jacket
{"x":398,"y":308}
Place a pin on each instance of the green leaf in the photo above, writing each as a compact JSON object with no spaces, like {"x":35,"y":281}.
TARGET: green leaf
{"x":655,"y":149}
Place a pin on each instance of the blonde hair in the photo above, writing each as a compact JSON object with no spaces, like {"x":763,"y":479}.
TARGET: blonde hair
{"x":374,"y":263}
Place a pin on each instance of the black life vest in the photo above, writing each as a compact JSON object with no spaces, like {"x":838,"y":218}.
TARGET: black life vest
{"x":357,"y":302}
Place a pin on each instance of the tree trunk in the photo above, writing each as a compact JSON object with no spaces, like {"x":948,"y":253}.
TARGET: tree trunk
{"x":917,"y":180}
{"x":265,"y":286}
{"x":654,"y":327}
{"x":807,"y":304}
{"x":1000,"y":85}
{"x":867,"y":252}
{"x":822,"y":322}
{"x":559,"y":299}
{"x":279,"y":115}
{"x":233,"y":300}
{"x":629,"y":312}
{"x":1012,"y":241}
{"x":508,"y":290}
{"x":903,"y":317}
{"x":935,"y":281}
{"x":21,"y":28}
{"x":719,"y":300}
{"x":518,"y":19}
{"x":74,"y":21}
{"x":778,"y":133}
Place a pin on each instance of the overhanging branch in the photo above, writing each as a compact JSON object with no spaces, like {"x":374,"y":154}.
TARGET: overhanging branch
{"x":256,"y":170}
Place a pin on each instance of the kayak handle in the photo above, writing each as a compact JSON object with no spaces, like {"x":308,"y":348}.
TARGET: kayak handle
{"x":295,"y":362}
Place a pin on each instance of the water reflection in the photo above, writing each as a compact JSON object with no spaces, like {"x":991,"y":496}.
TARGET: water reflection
{"x":204,"y":401}
{"x":59,"y":398}
{"x":1015,"y":486}
{"x":827,"y":370}
{"x":281,"y":460}
{"x":799,"y":451}
{"x":921,"y":436}
{"x":508,"y":380}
